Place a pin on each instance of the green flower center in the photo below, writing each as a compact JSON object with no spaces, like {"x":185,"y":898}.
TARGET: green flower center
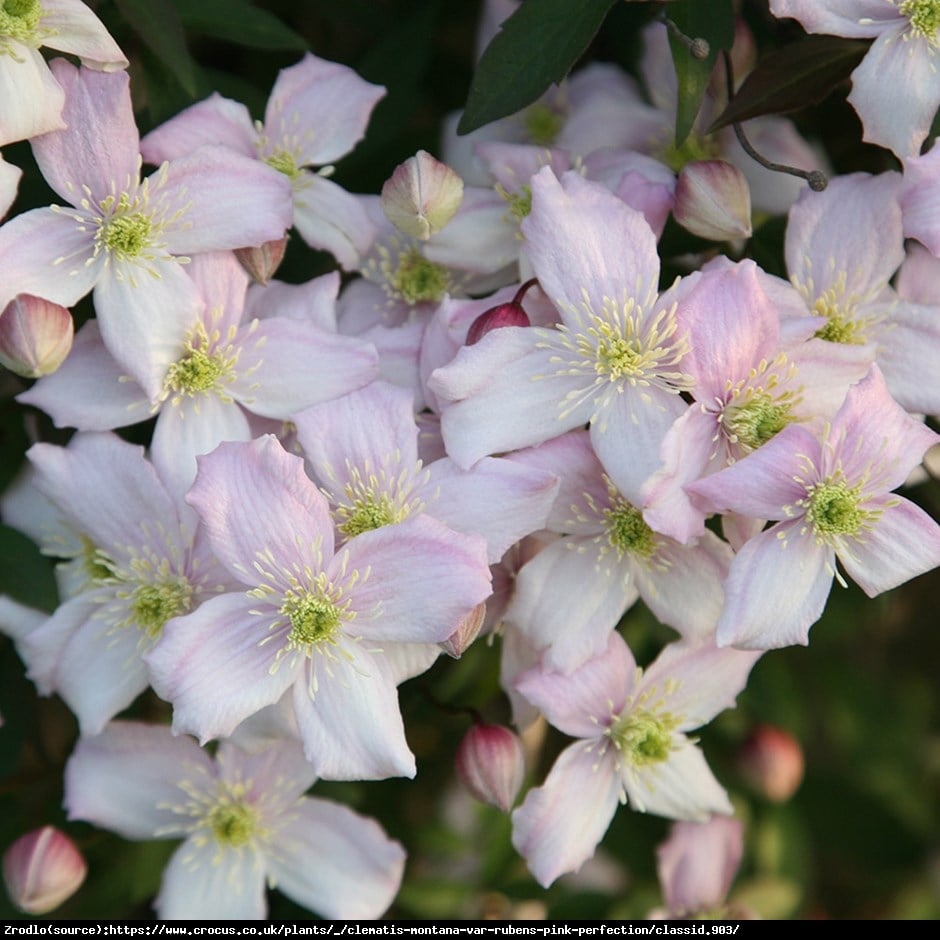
{"x":19,"y":21}
{"x":314,"y":617}
{"x":98,"y":565}
{"x":843,"y":323}
{"x":367,"y":514}
{"x":284,"y":162}
{"x":154,"y":604}
{"x":833,"y":508}
{"x":542,"y":124}
{"x":924,"y":16}
{"x":643,"y":737}
{"x":232,"y":822}
{"x":197,"y":372}
{"x":627,"y":532}
{"x":417,"y":279}
{"x":616,"y":355}
{"x":126,"y":233}
{"x":520,"y":202}
{"x":756,"y":421}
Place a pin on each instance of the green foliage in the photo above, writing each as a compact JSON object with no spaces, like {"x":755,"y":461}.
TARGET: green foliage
{"x":536,"y":46}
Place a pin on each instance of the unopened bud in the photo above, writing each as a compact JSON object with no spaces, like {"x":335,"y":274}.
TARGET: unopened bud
{"x":508,"y":314}
{"x":35,"y":336}
{"x":466,"y":632}
{"x":262,"y":262}
{"x":771,"y":761}
{"x":713,"y":200}
{"x":42,"y":869}
{"x":421,"y":196}
{"x":491,"y":765}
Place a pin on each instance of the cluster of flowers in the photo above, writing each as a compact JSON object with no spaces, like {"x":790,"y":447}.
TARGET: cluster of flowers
{"x":350,"y":476}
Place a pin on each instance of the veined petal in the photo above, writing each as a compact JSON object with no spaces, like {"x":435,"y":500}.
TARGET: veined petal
{"x":124,"y":778}
{"x":256,"y":498}
{"x":227,"y":200}
{"x":351,"y":725}
{"x":423,"y":578}
{"x":336,"y":862}
{"x":776,"y":589}
{"x":910,"y":347}
{"x":581,"y":702}
{"x":47,"y":254}
{"x":862,"y":19}
{"x":202,"y":881}
{"x":331,"y":219}
{"x":216,"y":120}
{"x":86,"y":391}
{"x":568,"y":599}
{"x":76,"y":30}
{"x":466,"y":499}
{"x":568,"y":236}
{"x":100,"y":147}
{"x":32,"y":98}
{"x":560,"y":824}
{"x":215,"y":667}
{"x":320,"y":107}
{"x":903,"y":542}
{"x":680,"y":787}
{"x":287,"y":365}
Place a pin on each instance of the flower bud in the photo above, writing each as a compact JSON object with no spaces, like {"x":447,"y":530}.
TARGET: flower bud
{"x":262,"y":262}
{"x":35,"y":336}
{"x":712,"y":200}
{"x":466,"y":632}
{"x":771,"y":761}
{"x":508,"y":314}
{"x":421,"y":196}
{"x":42,"y":869}
{"x":491,"y":765}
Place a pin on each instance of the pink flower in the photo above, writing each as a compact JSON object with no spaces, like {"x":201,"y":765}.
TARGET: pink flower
{"x":245,"y":821}
{"x":830,"y":499}
{"x":42,"y":869}
{"x":330,"y":628}
{"x":633,"y":746}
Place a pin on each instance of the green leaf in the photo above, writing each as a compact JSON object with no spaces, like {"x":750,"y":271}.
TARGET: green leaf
{"x":712,"y":21}
{"x":536,"y":46}
{"x":25,"y":574}
{"x":793,"y":77}
{"x":157,"y":23}
{"x":238,"y":21}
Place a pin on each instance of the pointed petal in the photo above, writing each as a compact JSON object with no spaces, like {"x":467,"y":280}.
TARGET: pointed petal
{"x":126,"y":779}
{"x":215,"y":120}
{"x":76,"y":30}
{"x":560,"y":824}
{"x":337,"y":863}
{"x":331,"y":219}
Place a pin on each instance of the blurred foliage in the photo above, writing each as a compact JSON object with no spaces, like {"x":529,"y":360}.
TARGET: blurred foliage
{"x":861,"y":837}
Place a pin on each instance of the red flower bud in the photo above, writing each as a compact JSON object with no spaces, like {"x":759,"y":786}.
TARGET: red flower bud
{"x":491,"y":765}
{"x":42,"y":869}
{"x":508,"y":314}
{"x":771,"y":761}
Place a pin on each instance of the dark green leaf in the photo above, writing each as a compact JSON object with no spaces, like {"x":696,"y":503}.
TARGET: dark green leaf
{"x":800,"y":74}
{"x":712,"y":21}
{"x":536,"y":46}
{"x":238,"y":21}
{"x":157,"y":23}
{"x":25,"y":574}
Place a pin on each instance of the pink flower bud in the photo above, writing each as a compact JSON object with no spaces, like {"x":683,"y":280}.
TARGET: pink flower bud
{"x":508,"y":314}
{"x":491,"y":765}
{"x":42,"y":869}
{"x":712,"y":200}
{"x":421,"y":196}
{"x":771,"y":761}
{"x":262,"y":262}
{"x":466,"y":632}
{"x":35,"y":336}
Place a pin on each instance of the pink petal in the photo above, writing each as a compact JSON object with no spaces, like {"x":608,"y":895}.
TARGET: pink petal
{"x":76,"y":30}
{"x":32,"y":99}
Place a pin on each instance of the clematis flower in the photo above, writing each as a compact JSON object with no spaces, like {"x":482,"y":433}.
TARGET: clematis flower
{"x":317,"y":112}
{"x":615,"y":361}
{"x":9,"y":184}
{"x":896,"y":87}
{"x":122,"y":236}
{"x":31,"y":99}
{"x":633,"y":746}
{"x":245,"y":823}
{"x":327,"y":627}
{"x":831,"y":499}
{"x":137,"y":561}
{"x":214,"y":370}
